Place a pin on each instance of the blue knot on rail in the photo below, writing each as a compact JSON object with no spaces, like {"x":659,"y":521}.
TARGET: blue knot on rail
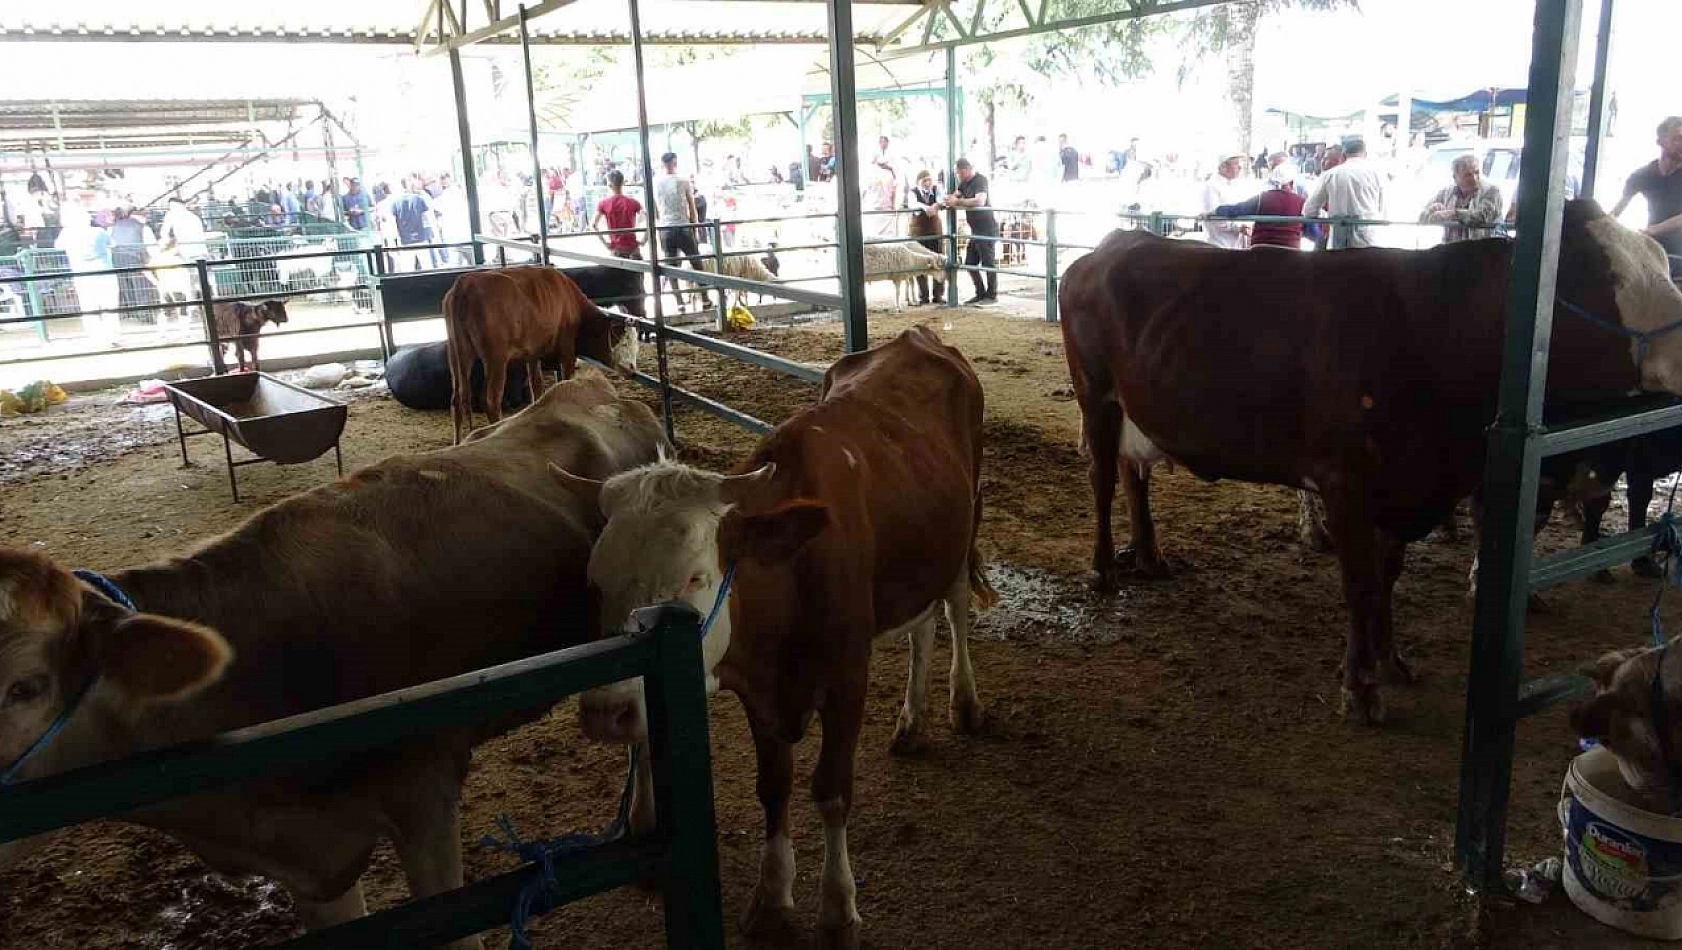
{"x":543,"y":853}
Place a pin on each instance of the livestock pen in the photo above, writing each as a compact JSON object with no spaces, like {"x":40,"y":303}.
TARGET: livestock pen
{"x":1163,"y":769}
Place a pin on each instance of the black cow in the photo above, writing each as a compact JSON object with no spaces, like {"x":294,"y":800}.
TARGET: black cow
{"x":1642,"y":460}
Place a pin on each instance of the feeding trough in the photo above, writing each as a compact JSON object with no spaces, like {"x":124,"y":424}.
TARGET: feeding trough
{"x":277,"y":421}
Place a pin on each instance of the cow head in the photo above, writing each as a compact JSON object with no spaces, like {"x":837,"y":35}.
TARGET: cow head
{"x":1624,"y":275}
{"x":623,"y":342}
{"x":272,"y":311}
{"x":1621,"y":713}
{"x":671,"y":533}
{"x":56,"y":636}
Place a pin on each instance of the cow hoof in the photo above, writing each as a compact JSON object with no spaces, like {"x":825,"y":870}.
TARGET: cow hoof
{"x":1101,"y":582}
{"x":1602,"y":576}
{"x":1644,"y":567}
{"x":769,"y":921}
{"x":909,"y":738}
{"x":1363,"y":704}
{"x":1148,"y":565}
{"x":839,"y":937}
{"x":968,"y":717}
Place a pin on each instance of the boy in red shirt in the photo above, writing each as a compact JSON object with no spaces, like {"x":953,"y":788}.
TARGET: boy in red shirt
{"x":620,"y":211}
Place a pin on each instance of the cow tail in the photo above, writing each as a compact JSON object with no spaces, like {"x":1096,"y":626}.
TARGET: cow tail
{"x":980,"y":588}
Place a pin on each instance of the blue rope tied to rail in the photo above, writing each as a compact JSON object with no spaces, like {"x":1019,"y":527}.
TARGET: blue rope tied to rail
{"x":110,"y":590}
{"x":544,"y":852}
{"x":1643,"y":338}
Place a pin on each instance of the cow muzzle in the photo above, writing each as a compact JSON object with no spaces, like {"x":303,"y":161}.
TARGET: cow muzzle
{"x":614,"y":714}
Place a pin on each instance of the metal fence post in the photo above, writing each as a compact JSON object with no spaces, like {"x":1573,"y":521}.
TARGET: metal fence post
{"x":683,"y":782}
{"x":1051,"y":265}
{"x":952,"y":257}
{"x":388,"y":343}
{"x":718,"y":268}
{"x":208,"y":303}
{"x":1157,"y":226}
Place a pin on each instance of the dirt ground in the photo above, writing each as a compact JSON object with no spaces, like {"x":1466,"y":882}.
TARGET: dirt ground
{"x":1161,"y":768}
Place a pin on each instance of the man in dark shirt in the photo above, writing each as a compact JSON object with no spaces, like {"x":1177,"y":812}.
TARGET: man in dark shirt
{"x":1660,"y":182}
{"x":1070,"y":158}
{"x":983,"y":228}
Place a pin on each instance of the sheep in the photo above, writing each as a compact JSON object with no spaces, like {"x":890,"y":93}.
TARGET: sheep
{"x":901,"y":263}
{"x":742,"y":267}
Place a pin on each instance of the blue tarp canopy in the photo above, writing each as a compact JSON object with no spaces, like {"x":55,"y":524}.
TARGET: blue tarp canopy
{"x":1481,"y":101}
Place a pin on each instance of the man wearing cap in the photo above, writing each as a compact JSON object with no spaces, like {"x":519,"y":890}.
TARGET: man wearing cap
{"x":1225,"y":187}
{"x":675,"y":215}
{"x":1281,"y":198}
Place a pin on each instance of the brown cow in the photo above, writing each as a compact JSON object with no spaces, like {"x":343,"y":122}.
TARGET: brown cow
{"x":531,"y":313}
{"x":411,"y":570}
{"x":854,"y":519}
{"x":238,"y":325}
{"x":1369,"y":376}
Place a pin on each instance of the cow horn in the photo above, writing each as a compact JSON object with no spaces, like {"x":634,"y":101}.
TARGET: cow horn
{"x":737,"y":488}
{"x":589,"y":489}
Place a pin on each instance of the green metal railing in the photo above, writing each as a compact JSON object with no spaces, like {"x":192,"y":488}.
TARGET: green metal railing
{"x":681,"y":853}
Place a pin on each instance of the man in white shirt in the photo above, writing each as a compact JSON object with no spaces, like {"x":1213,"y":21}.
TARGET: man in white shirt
{"x":675,"y":215}
{"x":182,"y":231}
{"x":1354,"y":189}
{"x":1226,"y":187}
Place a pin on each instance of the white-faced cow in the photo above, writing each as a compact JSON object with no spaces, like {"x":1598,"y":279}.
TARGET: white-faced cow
{"x":1369,"y":376}
{"x":851,"y":520}
{"x":414,"y":569}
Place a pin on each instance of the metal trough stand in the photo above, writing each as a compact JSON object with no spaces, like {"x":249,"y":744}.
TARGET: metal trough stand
{"x":277,"y":421}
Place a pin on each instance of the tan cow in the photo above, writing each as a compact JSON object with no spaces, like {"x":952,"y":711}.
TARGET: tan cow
{"x":854,"y":519}
{"x":532,"y":314}
{"x":411,"y":570}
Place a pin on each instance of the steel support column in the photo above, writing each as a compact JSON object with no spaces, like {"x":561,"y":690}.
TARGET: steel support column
{"x":1597,"y":100}
{"x":849,"y":256}
{"x":536,"y":160}
{"x":1510,"y":478}
{"x":800,"y":181}
{"x":953,"y":107}
{"x":469,"y":173}
{"x":649,"y":218}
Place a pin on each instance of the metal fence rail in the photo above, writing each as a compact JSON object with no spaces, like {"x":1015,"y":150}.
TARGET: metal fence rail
{"x":681,"y":853}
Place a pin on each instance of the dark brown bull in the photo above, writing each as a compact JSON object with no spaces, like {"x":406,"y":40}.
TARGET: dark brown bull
{"x":238,"y":325}
{"x":1369,"y":376}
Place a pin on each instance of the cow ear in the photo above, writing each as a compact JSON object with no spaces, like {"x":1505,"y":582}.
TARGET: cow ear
{"x":774,"y":536}
{"x":589,"y":489}
{"x":1603,"y":669}
{"x":159,"y":659}
{"x":1593,"y":719}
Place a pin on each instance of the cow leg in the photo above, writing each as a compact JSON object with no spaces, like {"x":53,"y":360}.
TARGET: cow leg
{"x":832,"y":789}
{"x":1146,"y":557}
{"x":427,"y":837}
{"x":1593,"y":510}
{"x":771,"y":914}
{"x":1355,"y":537}
{"x":496,"y":383}
{"x":911,"y":733}
{"x":319,"y":915}
{"x":251,"y":345}
{"x":965,"y":705}
{"x":535,"y":383}
{"x":1639,"y":489}
{"x":1102,"y":424}
{"x":643,"y":818}
{"x":1392,"y":555}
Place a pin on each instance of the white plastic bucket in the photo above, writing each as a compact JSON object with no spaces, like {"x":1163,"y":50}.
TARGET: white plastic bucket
{"x":1623,"y":863}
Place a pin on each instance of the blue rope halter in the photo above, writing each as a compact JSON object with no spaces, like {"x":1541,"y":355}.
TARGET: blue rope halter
{"x":1643,"y":338}
{"x":114,"y":593}
{"x":543,"y":852}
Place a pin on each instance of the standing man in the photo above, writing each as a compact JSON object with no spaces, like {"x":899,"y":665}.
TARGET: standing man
{"x":355,"y":205}
{"x":1225,"y":188}
{"x":412,"y":217}
{"x":289,"y":203}
{"x":1069,"y":157}
{"x":675,"y":215}
{"x":1354,"y":189}
{"x":971,"y":195}
{"x":1470,"y":207}
{"x":1660,"y":182}
{"x":619,"y":211}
